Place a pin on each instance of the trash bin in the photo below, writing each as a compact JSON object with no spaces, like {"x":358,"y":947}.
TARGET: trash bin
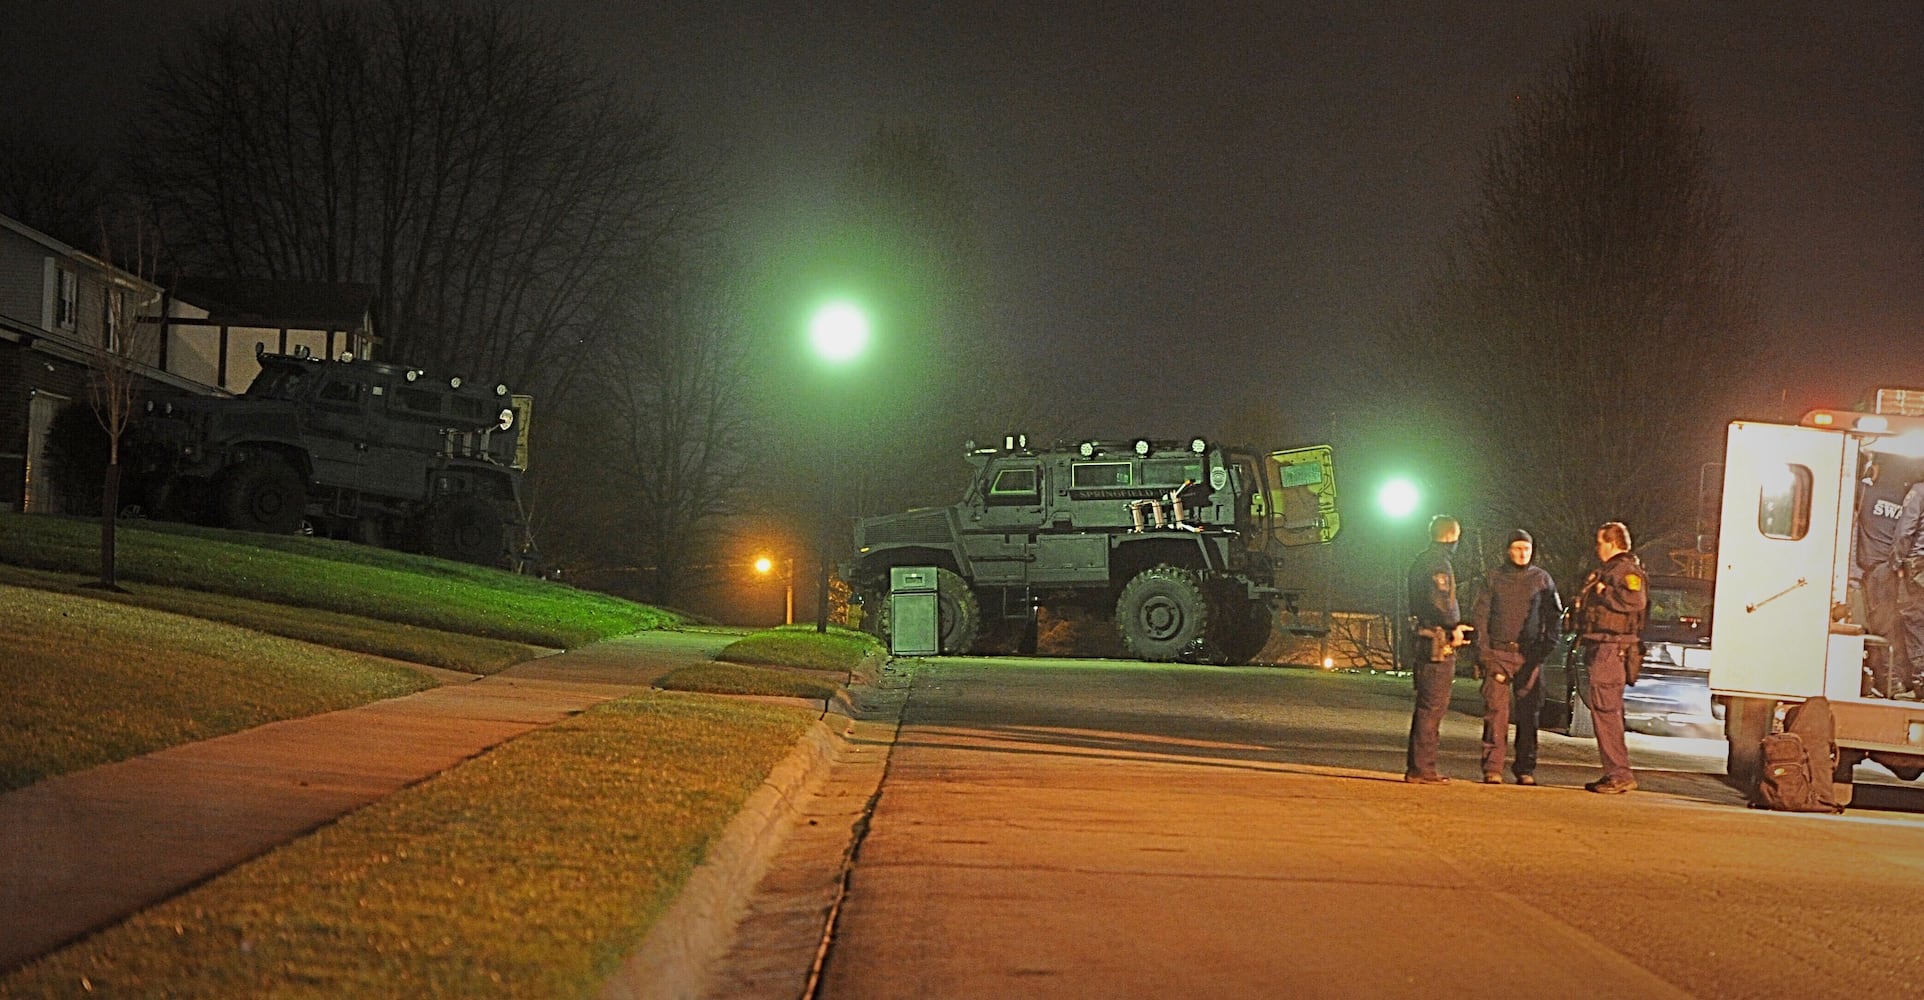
{"x":915,"y":628}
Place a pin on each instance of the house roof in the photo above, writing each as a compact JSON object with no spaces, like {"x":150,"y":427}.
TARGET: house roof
{"x":278,"y":303}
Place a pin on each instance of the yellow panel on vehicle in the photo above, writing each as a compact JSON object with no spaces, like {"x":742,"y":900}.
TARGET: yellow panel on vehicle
{"x":1304,"y":498}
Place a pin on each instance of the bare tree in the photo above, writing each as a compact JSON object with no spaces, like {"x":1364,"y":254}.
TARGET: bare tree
{"x":55,"y":186}
{"x":129,"y":349}
{"x":1588,"y":332}
{"x":665,"y":439}
{"x":500,"y":198}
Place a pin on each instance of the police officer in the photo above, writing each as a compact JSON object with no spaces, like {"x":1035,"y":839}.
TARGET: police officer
{"x":1609,"y":617}
{"x":1436,"y":632}
{"x":1907,"y":562}
{"x":1880,"y":505}
{"x":1515,"y":618}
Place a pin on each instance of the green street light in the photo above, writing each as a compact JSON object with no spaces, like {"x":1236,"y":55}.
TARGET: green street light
{"x":839,"y":331}
{"x":1397,"y":498}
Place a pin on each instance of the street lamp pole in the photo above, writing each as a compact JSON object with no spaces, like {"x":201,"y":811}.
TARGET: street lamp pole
{"x":1398,"y":498}
{"x":838,"y":332}
{"x":764,"y":565}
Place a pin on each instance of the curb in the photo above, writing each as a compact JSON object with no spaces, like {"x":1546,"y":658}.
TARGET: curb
{"x":699,"y":925}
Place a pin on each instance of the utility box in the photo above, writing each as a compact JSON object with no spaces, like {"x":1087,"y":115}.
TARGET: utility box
{"x":915,"y":628}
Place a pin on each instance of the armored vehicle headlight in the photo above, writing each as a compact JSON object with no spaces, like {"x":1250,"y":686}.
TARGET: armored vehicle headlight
{"x":507,"y":418}
{"x":501,"y":388}
{"x":347,"y":357}
{"x":455,"y":382}
{"x":150,"y":406}
{"x":1198,"y":446}
{"x":1087,"y":450}
{"x":167,"y":408}
{"x":1142,"y":446}
{"x":412,"y":374}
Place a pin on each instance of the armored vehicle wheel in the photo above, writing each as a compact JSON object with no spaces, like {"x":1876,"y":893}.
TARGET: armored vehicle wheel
{"x":467,"y":529}
{"x":1161,"y":613}
{"x":1243,"y":625}
{"x":263,"y":494}
{"x":958,"y":613}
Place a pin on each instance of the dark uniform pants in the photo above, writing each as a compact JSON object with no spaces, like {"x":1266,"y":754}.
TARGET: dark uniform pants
{"x":1883,"y":600}
{"x":1607,"y":675}
{"x":1433,"y":680}
{"x":1519,"y":692}
{"x":1910,"y":611}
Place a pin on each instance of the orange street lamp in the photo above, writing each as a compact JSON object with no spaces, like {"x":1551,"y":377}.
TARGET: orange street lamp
{"x":764,"y":565}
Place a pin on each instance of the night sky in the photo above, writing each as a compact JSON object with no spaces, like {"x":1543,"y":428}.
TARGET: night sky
{"x":1227,"y":198}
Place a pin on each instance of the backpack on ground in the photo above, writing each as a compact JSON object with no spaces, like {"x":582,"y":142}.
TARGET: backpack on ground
{"x":1799,"y":762}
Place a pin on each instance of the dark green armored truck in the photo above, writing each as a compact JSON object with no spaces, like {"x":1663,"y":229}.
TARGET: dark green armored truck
{"x":1179,"y":540}
{"x":352,"y":449}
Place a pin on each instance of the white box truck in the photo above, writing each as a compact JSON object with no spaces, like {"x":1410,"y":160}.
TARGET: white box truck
{"x":1785,"y":631}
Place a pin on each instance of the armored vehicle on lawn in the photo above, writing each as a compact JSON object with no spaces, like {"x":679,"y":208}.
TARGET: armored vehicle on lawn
{"x":355,"y":449}
{"x":1179,"y":540}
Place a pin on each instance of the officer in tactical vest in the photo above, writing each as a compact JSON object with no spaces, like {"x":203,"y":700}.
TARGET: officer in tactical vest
{"x":1609,"y":615}
{"x":1436,"y":632}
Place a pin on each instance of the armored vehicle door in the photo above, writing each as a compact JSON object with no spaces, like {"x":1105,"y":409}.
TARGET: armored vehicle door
{"x":337,"y":430}
{"x":1789,"y":496}
{"x":1002,"y":529}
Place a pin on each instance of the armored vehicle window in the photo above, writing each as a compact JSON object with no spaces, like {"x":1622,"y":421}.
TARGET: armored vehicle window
{"x":1172,"y":471}
{"x":1098,"y":474}
{"x":418,"y":400}
{"x":338,"y":391}
{"x":277,"y":382}
{"x":1783,"y":503}
{"x":1015,"y":486}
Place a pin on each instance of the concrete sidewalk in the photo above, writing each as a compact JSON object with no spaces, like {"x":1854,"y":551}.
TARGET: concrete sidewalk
{"x":89,"y":848}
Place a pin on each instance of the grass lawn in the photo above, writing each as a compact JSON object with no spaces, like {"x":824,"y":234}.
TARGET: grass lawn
{"x":840,"y":649}
{"x":332,"y":576}
{"x":736,"y":678}
{"x":413,"y":643}
{"x":90,"y":682}
{"x":530,"y":871}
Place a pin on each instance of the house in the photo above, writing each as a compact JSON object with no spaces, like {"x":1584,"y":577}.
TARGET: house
{"x":215,"y":327}
{"x":199,"y":336}
{"x":56,"y":309}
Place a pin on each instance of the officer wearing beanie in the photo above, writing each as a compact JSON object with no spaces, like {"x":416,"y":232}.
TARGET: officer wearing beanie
{"x":1515,"y":617}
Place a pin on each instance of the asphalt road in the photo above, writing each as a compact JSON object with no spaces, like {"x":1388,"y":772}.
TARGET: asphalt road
{"x":1099,"y":828}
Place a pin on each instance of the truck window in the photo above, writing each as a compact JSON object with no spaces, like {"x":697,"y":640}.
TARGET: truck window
{"x":1783,"y":503}
{"x":425,"y":401}
{"x":1094,"y":475}
{"x":338,"y":391}
{"x":1014,"y":487}
{"x":1172,"y":472}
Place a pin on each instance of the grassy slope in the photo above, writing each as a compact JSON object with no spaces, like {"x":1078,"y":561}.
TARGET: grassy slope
{"x":90,"y":682}
{"x":530,"y":871}
{"x":332,"y":576}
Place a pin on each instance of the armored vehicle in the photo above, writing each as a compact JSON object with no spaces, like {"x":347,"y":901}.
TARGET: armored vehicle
{"x":1179,"y":540}
{"x":358,"y":449}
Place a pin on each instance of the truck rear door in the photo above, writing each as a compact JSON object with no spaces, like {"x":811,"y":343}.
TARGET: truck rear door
{"x":1788,"y":495}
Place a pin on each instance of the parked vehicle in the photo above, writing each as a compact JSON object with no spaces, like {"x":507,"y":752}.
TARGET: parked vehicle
{"x":1785,"y":625}
{"x":1178,"y":540}
{"x":348,"y":448}
{"x":1672,"y":693}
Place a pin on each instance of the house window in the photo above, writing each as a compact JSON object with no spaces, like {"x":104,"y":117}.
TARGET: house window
{"x":66,"y":303}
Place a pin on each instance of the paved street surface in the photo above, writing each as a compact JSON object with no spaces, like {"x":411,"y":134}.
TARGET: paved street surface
{"x":1099,"y":829}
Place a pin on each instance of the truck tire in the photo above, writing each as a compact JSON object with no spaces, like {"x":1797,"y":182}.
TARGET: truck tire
{"x":467,"y":529}
{"x":1242,"y":626}
{"x":958,"y":613}
{"x":263,"y":494}
{"x":1746,"y":722}
{"x":1162,"y":612}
